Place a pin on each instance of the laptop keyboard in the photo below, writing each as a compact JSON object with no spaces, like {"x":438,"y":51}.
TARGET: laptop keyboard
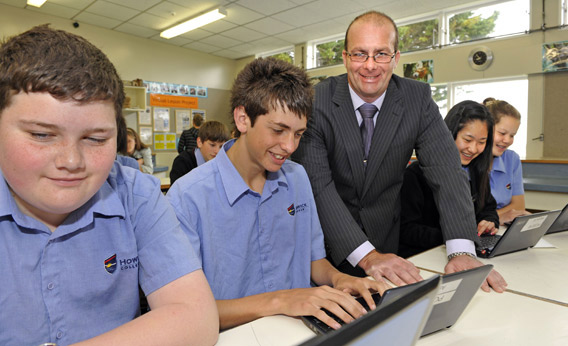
{"x":488,"y":242}
{"x":326,"y":328}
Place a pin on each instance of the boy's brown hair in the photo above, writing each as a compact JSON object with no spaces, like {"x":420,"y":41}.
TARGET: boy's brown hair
{"x":267,"y":84}
{"x":62,"y":64}
{"x":213,"y":131}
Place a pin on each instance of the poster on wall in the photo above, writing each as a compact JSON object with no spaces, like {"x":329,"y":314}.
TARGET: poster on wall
{"x":422,"y":71}
{"x":161,"y":119}
{"x":145,"y":117}
{"x":555,"y":56}
{"x":200,"y":112}
{"x":145,"y":133}
{"x":164,"y":141}
{"x":183,"y":120}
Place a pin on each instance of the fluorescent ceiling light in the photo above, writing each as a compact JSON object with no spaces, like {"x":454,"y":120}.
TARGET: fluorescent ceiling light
{"x":36,"y":3}
{"x":194,"y":23}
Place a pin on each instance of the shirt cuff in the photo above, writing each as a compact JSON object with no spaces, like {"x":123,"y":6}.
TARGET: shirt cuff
{"x":361,"y":251}
{"x":460,"y":245}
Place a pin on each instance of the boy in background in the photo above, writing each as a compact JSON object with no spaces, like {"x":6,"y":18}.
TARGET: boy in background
{"x":212,"y":136}
{"x":250,"y":213}
{"x":188,"y":138}
{"x":80,"y":232}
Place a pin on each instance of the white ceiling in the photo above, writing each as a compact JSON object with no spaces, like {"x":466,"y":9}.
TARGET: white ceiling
{"x":251,"y":26}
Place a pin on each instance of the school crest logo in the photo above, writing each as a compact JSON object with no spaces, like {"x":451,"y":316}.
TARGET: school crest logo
{"x":291,"y":210}
{"x":110,"y":264}
{"x":508,"y":187}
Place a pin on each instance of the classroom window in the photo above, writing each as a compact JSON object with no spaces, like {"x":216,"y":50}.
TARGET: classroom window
{"x":418,"y":35}
{"x":286,"y":54}
{"x":326,"y":52}
{"x":513,"y":90}
{"x":505,"y":18}
{"x":440,"y":96}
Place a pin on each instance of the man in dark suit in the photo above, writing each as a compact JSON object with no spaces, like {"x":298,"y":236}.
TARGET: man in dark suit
{"x":357,"y":185}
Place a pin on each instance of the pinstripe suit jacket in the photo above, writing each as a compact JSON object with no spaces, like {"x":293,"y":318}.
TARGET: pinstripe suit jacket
{"x":356,"y":204}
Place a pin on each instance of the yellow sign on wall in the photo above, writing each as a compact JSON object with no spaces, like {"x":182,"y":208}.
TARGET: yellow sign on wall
{"x":173,"y":101}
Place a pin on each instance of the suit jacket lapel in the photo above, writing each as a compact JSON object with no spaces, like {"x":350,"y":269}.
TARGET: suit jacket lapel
{"x":351,"y":134}
{"x":386,"y":127}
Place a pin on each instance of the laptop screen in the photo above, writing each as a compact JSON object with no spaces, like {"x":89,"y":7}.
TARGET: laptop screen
{"x":398,"y":323}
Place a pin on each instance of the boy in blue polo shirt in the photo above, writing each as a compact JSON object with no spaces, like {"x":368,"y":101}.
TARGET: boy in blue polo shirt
{"x":251,"y":216}
{"x":78,"y":231}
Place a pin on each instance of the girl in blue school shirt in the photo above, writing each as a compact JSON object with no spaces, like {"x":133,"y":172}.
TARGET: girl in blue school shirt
{"x":471,"y":126}
{"x":506,"y":170}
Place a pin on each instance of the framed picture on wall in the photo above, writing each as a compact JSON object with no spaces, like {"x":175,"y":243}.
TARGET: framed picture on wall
{"x":200,"y":112}
{"x":183,"y":120}
{"x":145,"y":133}
{"x":145,"y":117}
{"x":161,"y":119}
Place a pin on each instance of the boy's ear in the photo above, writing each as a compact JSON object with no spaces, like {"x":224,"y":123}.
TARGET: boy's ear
{"x":242,"y":120}
{"x":199,"y":143}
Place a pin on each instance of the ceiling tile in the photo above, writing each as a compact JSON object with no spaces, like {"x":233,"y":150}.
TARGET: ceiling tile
{"x":299,"y":16}
{"x":269,"y":43}
{"x":136,"y":30}
{"x":202,"y":47}
{"x":15,"y":3}
{"x":267,"y":7}
{"x":219,"y":26}
{"x":241,"y":15}
{"x":172,"y":11}
{"x":97,"y":20}
{"x":202,"y":4}
{"x":55,"y":10}
{"x":246,"y":48}
{"x":76,"y":4}
{"x":140,"y":5}
{"x":297,"y":36}
{"x":269,"y":26}
{"x":220,"y":41}
{"x":243,"y":34}
{"x":110,"y":10}
{"x":150,"y":21}
{"x":335,"y":8}
{"x":229,"y":54}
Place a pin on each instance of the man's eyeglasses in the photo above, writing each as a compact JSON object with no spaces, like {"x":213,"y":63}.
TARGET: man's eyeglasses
{"x":379,"y":58}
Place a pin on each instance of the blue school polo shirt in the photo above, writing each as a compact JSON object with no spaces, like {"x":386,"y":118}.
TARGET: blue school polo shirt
{"x":82,"y":280}
{"x":506,"y":178}
{"x":249,"y":243}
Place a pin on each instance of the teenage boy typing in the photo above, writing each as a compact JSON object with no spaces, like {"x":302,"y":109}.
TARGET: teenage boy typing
{"x":212,"y":134}
{"x":79,"y":232}
{"x":250,"y":213}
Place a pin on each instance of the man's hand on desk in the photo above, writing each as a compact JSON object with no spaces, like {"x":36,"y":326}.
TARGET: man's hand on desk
{"x":396,"y":269}
{"x":464,"y":262}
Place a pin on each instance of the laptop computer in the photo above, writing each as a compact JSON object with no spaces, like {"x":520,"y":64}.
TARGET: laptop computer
{"x":397,"y":323}
{"x":561,"y":222}
{"x":455,"y":293}
{"x":524,"y":232}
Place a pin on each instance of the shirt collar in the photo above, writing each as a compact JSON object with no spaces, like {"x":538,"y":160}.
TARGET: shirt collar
{"x":499,"y":164}
{"x":199,"y":157}
{"x":358,"y":101}
{"x":234,"y":185}
{"x":104,"y":202}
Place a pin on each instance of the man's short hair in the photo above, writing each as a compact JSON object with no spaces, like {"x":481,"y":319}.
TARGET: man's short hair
{"x":213,"y":131}
{"x":197,"y":120}
{"x":378,"y":18}
{"x":62,"y":64}
{"x":267,"y":84}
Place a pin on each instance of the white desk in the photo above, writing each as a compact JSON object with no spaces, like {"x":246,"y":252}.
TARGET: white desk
{"x":533,"y":311}
{"x":540,"y":272}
